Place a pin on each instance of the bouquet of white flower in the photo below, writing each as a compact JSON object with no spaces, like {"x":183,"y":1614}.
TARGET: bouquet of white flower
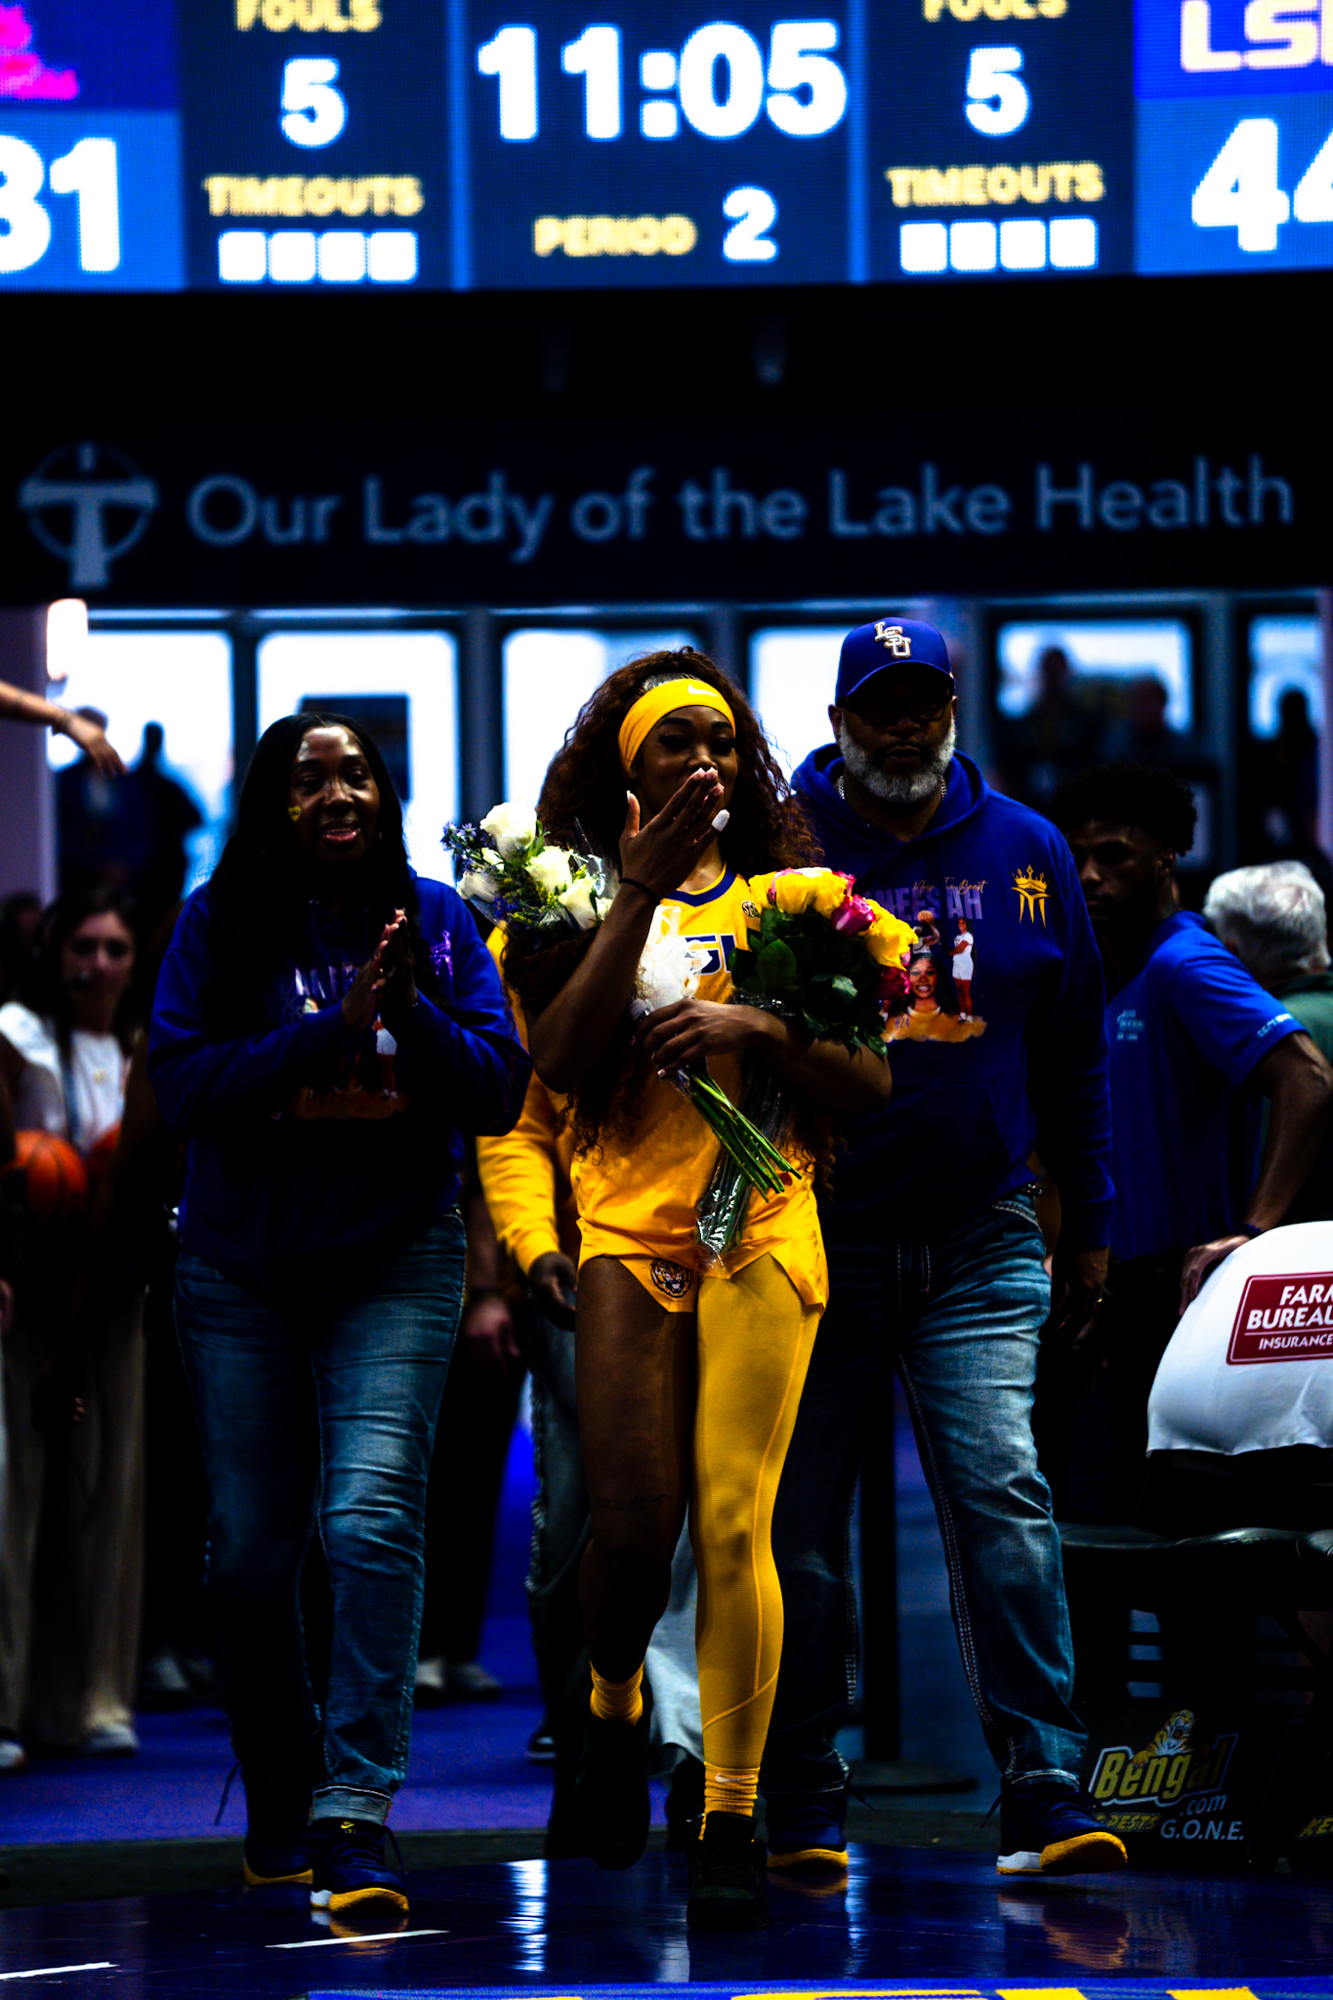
{"x":514,"y":877}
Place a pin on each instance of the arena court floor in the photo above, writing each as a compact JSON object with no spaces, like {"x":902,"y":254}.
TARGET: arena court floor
{"x":923,"y":1912}
{"x":908,"y":1923}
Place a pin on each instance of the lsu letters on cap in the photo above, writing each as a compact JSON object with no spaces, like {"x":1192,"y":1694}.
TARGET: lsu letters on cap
{"x":889,"y":642}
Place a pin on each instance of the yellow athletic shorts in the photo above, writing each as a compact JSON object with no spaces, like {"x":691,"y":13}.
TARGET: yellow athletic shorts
{"x":675,"y":1287}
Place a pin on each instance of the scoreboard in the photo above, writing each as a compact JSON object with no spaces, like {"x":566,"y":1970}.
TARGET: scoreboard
{"x":496,"y":144}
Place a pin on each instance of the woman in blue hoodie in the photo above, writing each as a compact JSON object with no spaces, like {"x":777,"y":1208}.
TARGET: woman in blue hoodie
{"x":326,"y":1028}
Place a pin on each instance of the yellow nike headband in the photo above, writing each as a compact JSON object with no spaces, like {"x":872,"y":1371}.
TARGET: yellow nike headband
{"x":650,"y":708}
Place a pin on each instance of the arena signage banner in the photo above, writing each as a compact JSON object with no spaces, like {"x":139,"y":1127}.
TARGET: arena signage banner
{"x":557,"y":511}
{"x":1284,"y":1318}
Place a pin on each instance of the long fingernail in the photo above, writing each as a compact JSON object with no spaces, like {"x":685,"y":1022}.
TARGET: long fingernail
{"x":720,"y":820}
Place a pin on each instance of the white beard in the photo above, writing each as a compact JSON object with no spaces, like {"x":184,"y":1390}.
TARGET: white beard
{"x":898,"y":790}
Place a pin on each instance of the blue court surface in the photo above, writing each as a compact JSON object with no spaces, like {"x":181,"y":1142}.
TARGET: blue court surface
{"x":922,"y":1919}
{"x":909,"y":1922}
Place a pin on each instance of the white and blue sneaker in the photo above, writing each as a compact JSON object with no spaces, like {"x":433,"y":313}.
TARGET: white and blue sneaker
{"x":1050,"y":1829}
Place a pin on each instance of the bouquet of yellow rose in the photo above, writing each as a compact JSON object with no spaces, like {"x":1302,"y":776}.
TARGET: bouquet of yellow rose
{"x":824,"y":957}
{"x":827,"y":960}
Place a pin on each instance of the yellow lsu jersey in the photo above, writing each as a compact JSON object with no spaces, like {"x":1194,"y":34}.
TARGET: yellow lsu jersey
{"x":639,"y":1197}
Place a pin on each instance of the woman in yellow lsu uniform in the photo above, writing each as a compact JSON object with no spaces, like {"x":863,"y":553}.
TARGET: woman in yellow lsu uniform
{"x":688,"y":1377}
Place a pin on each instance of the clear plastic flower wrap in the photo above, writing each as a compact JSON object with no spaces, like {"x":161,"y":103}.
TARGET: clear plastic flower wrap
{"x":669,"y":970}
{"x":767,"y":1107}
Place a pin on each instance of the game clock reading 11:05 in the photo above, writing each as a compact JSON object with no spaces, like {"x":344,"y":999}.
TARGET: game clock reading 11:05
{"x":666,"y":148}
{"x":497,"y":144}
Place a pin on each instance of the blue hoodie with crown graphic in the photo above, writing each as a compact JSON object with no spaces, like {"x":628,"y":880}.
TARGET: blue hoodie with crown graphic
{"x":999,"y":1050}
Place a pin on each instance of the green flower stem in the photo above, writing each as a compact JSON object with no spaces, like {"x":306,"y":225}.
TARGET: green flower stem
{"x":756,"y":1159}
{"x":728,"y":1111}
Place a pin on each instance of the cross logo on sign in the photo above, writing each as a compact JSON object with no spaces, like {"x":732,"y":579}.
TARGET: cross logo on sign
{"x":894,"y":637}
{"x":88,"y":504}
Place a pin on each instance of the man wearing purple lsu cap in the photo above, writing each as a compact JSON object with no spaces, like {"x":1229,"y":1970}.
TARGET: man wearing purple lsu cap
{"x":998,"y":1051}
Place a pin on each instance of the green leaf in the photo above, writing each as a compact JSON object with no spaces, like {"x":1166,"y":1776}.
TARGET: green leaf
{"x":845,"y":988}
{"x":776,"y":967}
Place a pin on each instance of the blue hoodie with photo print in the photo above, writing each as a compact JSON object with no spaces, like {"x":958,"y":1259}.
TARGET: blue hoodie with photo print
{"x":999,"y":1051}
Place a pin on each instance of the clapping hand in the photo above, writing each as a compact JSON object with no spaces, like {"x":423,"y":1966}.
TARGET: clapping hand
{"x":369,"y":992}
{"x":399,"y":996}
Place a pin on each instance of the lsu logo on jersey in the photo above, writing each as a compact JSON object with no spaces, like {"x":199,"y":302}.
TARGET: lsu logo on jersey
{"x":721,"y":949}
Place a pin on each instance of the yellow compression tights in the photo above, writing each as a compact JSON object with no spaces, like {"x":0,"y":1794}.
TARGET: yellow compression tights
{"x":755,"y":1336}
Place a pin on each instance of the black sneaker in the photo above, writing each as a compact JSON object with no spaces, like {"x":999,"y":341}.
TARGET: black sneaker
{"x":1050,"y":1829}
{"x":278,"y":1839}
{"x":350,"y":1868}
{"x":685,"y":1803}
{"x":271,"y":1860}
{"x":611,"y":1790}
{"x":805,"y":1832}
{"x":728,"y":1879}
{"x":541,"y":1744}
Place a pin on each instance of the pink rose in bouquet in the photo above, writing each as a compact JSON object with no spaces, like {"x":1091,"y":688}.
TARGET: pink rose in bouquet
{"x":855,"y":916}
{"x":893,"y":982}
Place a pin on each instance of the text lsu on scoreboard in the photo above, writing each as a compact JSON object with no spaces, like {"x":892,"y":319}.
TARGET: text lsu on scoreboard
{"x":233,"y":144}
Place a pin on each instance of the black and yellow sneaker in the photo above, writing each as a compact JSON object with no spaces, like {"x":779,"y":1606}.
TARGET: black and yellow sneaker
{"x":1051,"y":1829}
{"x":351,"y":1871}
{"x":271,"y":1863}
{"x":728,"y":1879}
{"x":277,"y":1849}
{"x":805,"y":1833}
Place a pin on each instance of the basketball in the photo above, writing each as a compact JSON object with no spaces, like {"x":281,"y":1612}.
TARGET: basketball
{"x":57,"y":1181}
{"x":98,"y":1156}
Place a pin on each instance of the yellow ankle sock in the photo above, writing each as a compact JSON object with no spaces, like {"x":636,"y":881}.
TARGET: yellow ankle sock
{"x":617,"y":1701}
{"x":730,"y":1791}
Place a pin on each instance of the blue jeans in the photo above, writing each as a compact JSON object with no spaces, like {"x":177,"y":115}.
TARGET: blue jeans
{"x":321,"y":1415}
{"x":960,"y":1312}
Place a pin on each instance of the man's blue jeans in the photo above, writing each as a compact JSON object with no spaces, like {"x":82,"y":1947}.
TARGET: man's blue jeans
{"x":321,"y":1415}
{"x":960,"y":1312}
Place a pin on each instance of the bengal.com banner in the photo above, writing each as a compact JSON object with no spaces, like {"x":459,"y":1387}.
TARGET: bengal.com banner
{"x":1284,"y":1319}
{"x":1174,"y":1785}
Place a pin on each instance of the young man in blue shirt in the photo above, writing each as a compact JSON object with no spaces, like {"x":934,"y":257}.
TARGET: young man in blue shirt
{"x":936,"y":1258}
{"x":1195,"y":1044}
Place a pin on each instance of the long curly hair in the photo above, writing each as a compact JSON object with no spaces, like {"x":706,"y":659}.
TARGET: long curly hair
{"x":582,"y":805}
{"x":260,"y":888}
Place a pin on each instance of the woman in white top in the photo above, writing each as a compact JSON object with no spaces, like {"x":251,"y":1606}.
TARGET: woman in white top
{"x":67,"y":1651}
{"x":964,"y":963}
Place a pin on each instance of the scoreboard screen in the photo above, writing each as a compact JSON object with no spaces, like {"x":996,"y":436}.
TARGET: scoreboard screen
{"x":497,"y":144}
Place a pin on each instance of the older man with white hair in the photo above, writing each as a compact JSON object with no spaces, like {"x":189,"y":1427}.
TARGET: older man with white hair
{"x":1274,"y":919}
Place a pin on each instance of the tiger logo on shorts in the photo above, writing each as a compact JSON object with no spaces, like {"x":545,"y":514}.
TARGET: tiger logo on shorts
{"x":673,"y":1279}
